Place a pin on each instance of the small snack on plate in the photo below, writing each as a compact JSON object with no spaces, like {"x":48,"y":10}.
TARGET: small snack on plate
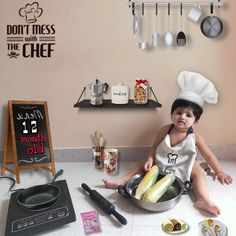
{"x":183,"y":224}
{"x":173,"y":226}
{"x":177,"y":225}
{"x":167,"y":225}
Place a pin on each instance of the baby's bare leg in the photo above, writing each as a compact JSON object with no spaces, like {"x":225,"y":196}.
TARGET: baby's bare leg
{"x":201,"y":191}
{"x":114,"y":183}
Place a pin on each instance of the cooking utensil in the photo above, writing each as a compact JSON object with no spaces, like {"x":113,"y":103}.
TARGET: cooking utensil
{"x":216,"y":228}
{"x":195,"y":13}
{"x":39,"y":196}
{"x":134,"y":19}
{"x":208,"y":227}
{"x":211,"y":26}
{"x":156,"y":36}
{"x":169,"y":37}
{"x":100,"y":142}
{"x":181,"y":38}
{"x":104,"y":204}
{"x":143,"y":45}
{"x":96,"y":138}
{"x":167,"y":201}
{"x":97,"y":89}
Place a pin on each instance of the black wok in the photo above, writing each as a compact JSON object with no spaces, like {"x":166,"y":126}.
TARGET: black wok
{"x":39,"y":196}
{"x":211,"y":26}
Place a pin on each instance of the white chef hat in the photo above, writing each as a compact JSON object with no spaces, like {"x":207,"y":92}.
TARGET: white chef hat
{"x":196,"y":88}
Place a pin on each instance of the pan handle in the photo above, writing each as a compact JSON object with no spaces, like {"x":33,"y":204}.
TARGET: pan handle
{"x":187,"y":187}
{"x":122,"y":191}
{"x":60,"y":172}
{"x":211,"y":8}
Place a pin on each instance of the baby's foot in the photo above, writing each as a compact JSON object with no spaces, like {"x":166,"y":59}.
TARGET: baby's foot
{"x":114,"y":183}
{"x":208,"y":206}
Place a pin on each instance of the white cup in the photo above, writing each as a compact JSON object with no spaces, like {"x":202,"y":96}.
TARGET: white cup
{"x":195,"y":13}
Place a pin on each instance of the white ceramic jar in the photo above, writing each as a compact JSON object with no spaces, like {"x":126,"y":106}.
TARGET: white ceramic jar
{"x":119,"y":94}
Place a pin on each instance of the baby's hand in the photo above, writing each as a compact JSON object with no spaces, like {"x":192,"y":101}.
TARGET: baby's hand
{"x":148,"y":165}
{"x":223,"y":178}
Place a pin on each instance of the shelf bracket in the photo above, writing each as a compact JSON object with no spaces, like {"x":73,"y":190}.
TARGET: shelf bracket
{"x":153,"y":94}
{"x":83,"y":91}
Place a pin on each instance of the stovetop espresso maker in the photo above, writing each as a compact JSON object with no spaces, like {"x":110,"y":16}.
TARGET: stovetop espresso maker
{"x":97,"y":89}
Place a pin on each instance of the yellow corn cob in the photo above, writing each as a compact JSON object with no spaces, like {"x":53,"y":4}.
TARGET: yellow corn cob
{"x":148,"y":180}
{"x":154,"y":193}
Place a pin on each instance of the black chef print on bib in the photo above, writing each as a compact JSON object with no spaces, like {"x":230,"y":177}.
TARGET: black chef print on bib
{"x":172,"y":157}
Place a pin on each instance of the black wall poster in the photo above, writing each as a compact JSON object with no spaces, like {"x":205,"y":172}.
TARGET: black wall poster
{"x":29,"y":38}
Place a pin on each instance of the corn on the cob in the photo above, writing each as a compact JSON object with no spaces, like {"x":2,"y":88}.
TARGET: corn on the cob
{"x":148,"y":180}
{"x":154,"y":193}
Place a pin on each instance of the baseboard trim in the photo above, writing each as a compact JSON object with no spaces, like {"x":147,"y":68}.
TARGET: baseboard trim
{"x":226,"y":151}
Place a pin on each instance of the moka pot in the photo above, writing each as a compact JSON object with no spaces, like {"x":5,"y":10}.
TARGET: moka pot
{"x":97,"y":89}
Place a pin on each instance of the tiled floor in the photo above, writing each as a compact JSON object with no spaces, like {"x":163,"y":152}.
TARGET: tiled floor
{"x":140,"y":222}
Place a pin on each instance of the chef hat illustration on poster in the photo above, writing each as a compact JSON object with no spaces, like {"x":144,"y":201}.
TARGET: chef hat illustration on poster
{"x":196,"y":88}
{"x":31,"y":12}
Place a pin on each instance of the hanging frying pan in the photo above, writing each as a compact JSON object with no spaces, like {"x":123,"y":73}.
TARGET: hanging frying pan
{"x":211,"y":26}
{"x":39,"y":196}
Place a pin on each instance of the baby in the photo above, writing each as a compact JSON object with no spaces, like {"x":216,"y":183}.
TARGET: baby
{"x":175,"y":144}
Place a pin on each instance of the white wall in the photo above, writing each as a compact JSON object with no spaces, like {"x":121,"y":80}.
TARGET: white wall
{"x":94,"y":40}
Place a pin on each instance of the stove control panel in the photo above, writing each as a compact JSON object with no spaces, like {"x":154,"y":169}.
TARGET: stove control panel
{"x":39,"y":219}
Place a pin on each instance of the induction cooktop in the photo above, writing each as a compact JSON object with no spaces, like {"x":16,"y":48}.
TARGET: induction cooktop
{"x":21,"y":221}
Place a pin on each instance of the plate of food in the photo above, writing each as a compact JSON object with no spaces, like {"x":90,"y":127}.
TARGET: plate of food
{"x":212,"y":227}
{"x":174,"y":226}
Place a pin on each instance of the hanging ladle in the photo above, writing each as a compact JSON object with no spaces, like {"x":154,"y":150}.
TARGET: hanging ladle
{"x":156,"y":36}
{"x":142,"y":44}
{"x":169,"y":37}
{"x":181,"y":39}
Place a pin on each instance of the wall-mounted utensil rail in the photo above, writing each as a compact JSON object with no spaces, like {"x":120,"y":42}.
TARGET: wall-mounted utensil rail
{"x":184,"y":3}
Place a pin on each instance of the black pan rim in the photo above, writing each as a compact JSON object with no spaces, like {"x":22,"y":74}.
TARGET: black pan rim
{"x":39,"y":205}
{"x":210,"y":17}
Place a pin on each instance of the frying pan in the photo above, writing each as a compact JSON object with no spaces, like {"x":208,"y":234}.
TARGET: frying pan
{"x":39,"y":196}
{"x":211,"y":26}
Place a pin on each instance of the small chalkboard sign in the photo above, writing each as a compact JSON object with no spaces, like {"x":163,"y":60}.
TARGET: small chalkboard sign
{"x":27,"y":137}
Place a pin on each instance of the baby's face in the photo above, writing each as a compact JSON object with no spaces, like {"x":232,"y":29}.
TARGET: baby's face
{"x":183,"y":117}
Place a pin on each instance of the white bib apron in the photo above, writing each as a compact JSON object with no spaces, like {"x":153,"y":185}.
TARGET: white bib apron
{"x":179,"y":158}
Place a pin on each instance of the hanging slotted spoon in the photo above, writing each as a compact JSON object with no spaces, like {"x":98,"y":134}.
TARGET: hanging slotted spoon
{"x":181,"y":38}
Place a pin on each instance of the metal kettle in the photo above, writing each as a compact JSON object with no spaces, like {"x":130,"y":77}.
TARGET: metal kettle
{"x":97,"y":89}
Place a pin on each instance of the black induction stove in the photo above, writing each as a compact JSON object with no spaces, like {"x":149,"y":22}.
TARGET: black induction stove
{"x":21,"y":221}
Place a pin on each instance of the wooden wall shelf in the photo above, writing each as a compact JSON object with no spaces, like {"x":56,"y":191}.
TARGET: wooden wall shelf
{"x":107,"y":104}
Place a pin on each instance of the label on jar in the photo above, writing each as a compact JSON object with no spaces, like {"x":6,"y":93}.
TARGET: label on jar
{"x":98,"y":158}
{"x":144,"y":85}
{"x":110,"y":161}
